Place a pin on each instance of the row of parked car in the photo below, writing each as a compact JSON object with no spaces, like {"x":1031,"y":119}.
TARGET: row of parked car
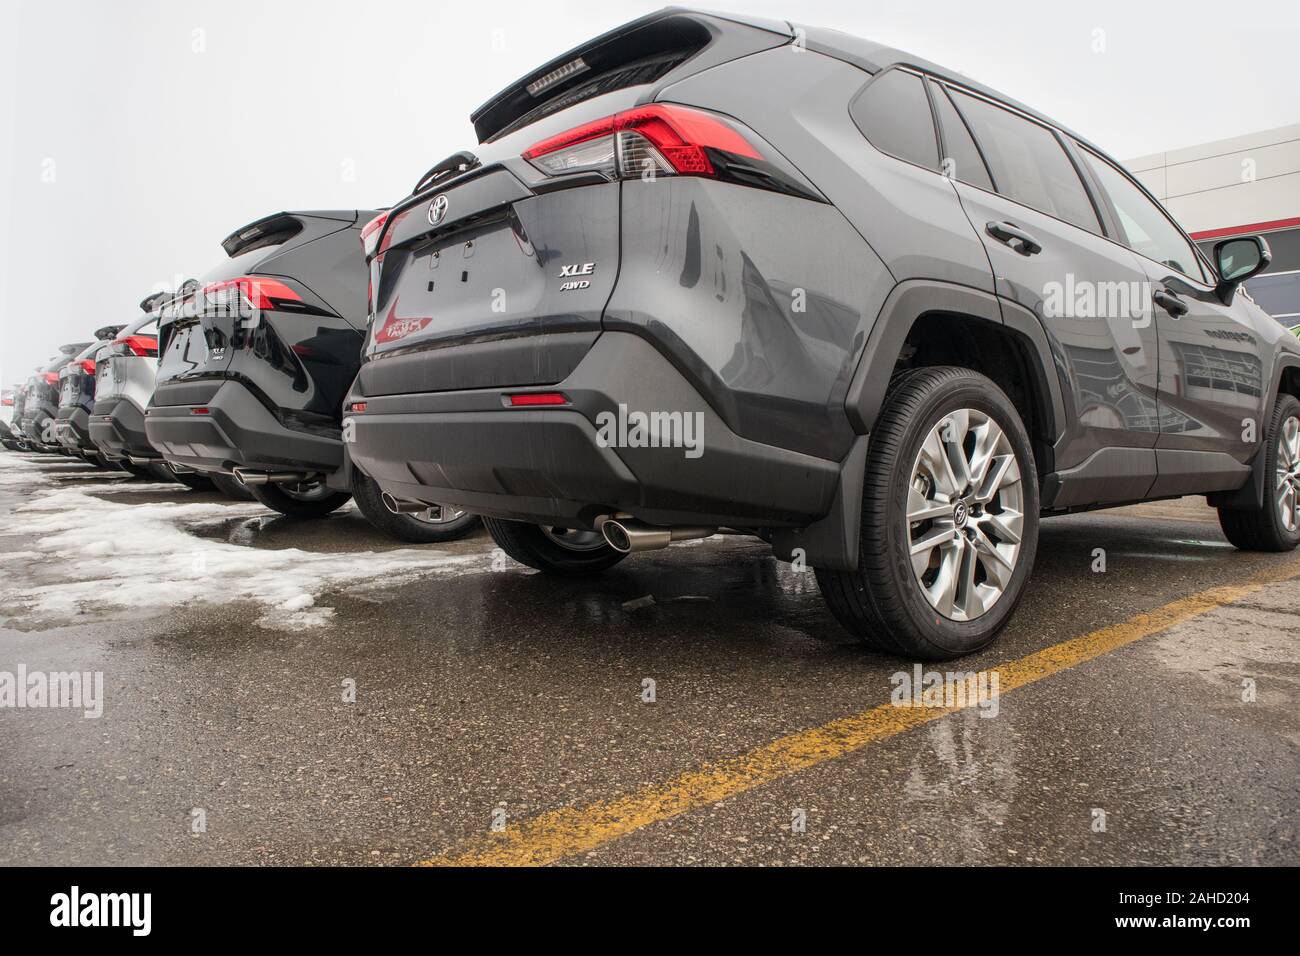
{"x":711,"y":273}
{"x":289,"y":353}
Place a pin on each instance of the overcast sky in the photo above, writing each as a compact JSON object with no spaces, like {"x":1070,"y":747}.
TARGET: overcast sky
{"x":136,"y":134}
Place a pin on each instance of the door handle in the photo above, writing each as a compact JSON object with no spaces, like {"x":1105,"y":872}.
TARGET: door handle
{"x":1170,"y":303}
{"x":1009,"y":232}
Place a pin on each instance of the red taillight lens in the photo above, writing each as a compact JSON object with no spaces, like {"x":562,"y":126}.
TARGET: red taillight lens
{"x":255,"y":292}
{"x":6,"y":402}
{"x":533,"y":399}
{"x":51,"y":378}
{"x":200,"y":411}
{"x":661,"y":138}
{"x":140,"y":345}
{"x":88,"y":366}
{"x":358,"y":407}
{"x":370,"y":234}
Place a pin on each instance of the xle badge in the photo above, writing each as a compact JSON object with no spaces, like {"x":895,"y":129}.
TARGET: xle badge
{"x":576,"y":269}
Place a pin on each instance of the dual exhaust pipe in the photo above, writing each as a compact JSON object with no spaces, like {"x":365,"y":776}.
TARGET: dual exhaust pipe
{"x":629,"y":536}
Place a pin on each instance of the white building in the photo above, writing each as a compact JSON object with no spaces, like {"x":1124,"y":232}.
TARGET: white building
{"x":1239,"y":186}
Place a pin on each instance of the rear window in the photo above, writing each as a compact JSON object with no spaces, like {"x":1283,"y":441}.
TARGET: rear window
{"x":894,"y":114}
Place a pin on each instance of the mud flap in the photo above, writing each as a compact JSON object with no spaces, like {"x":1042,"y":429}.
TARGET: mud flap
{"x":831,"y":543}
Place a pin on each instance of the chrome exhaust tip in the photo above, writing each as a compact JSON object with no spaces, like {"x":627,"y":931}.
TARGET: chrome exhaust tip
{"x":628,"y":536}
{"x":400,"y":506}
{"x":249,"y":478}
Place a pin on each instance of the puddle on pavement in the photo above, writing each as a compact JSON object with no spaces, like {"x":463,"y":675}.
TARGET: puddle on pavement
{"x":346,"y":531}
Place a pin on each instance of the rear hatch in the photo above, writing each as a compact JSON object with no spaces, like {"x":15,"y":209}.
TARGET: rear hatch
{"x":77,"y":378}
{"x":201,"y":333}
{"x":513,"y":258}
{"x":116,"y":360}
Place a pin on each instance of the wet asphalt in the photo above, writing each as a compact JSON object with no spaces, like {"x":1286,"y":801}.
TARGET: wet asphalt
{"x":500,"y":693}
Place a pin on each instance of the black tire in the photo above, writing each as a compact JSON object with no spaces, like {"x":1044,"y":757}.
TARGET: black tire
{"x":882,"y":603}
{"x":139,"y":472}
{"x":368,"y":496}
{"x":231,"y":487}
{"x":192,"y":480}
{"x":161,"y":471}
{"x":317,"y":503}
{"x":1262,"y":529}
{"x":528,"y":544}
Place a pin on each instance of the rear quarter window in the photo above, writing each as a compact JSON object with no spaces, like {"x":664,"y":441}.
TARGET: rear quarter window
{"x":894,"y":115}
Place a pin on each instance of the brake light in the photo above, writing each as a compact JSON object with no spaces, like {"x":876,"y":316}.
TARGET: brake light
{"x":358,"y":407}
{"x":660,"y":138}
{"x":51,"y":378}
{"x":6,"y":401}
{"x":200,"y":411}
{"x":532,"y":399}
{"x":139,"y":345}
{"x":88,"y":366}
{"x":370,"y":234}
{"x":255,"y":292}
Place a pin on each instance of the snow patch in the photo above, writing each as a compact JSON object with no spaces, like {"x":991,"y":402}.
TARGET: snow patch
{"x":89,"y":555}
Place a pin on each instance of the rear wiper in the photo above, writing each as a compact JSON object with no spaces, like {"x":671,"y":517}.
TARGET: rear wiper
{"x":455,"y":163}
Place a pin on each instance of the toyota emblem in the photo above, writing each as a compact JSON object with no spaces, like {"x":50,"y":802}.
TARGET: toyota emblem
{"x":438,"y":210}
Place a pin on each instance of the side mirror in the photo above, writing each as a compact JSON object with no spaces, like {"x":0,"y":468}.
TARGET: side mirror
{"x":1237,"y":260}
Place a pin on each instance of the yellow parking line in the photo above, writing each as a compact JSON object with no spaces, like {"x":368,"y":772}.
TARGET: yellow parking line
{"x":556,"y":834}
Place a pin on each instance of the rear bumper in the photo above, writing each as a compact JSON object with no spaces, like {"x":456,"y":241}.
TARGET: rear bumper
{"x":73,"y":430}
{"x":237,"y":431}
{"x":38,"y":427}
{"x":470,"y":448}
{"x":117,"y":430}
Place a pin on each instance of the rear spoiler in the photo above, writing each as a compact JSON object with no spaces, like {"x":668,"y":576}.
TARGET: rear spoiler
{"x":107,"y":332}
{"x":673,"y":34}
{"x":72,"y":349}
{"x":272,"y":230}
{"x":151,"y":302}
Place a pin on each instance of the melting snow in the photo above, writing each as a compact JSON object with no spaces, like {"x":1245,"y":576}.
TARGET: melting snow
{"x":85,"y":554}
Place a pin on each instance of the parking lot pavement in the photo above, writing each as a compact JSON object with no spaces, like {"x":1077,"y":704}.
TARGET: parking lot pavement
{"x":1148,"y":711}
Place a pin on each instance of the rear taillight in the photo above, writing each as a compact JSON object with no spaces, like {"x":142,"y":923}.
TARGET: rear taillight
{"x":88,"y":366}
{"x":358,"y":407}
{"x":254,"y":292}
{"x":51,"y":378}
{"x":370,"y":234}
{"x":6,"y":402}
{"x":139,"y":345}
{"x":660,"y":139}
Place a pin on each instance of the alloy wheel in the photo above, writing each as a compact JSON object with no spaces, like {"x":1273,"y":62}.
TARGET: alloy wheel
{"x":1288,"y":474}
{"x":965,"y":515}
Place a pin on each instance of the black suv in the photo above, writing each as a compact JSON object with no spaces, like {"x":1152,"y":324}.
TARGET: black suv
{"x":706,"y":272}
{"x":254,"y":363}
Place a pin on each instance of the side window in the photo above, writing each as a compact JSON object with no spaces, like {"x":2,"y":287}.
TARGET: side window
{"x":961,"y":159}
{"x":894,"y":114}
{"x":1028,"y":163}
{"x":1145,"y":227}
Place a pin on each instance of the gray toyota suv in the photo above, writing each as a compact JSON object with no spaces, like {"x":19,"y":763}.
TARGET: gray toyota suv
{"x":712,"y":273}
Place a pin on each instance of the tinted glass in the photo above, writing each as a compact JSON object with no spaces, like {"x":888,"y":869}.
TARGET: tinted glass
{"x":1028,"y":163}
{"x":961,"y":158}
{"x":894,"y":115}
{"x":1145,"y":227}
